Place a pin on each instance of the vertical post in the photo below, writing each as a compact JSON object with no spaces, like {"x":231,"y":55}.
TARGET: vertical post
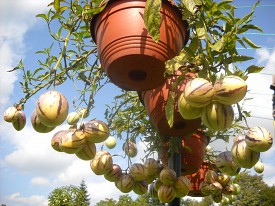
{"x":272,"y":86}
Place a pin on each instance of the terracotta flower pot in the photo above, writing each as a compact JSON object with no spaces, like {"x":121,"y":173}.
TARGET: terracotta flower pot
{"x":197,"y":178}
{"x":128,"y":55}
{"x":155,"y":101}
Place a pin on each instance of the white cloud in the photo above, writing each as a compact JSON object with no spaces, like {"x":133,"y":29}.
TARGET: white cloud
{"x":40,"y":181}
{"x":17,"y":199}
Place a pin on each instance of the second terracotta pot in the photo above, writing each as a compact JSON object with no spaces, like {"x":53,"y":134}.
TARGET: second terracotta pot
{"x":128,"y":54}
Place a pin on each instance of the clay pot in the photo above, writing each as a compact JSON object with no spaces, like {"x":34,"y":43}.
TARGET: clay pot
{"x":197,"y":178}
{"x":155,"y":101}
{"x":128,"y":55}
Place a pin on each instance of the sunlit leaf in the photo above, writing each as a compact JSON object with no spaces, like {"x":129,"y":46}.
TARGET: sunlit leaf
{"x":250,"y":43}
{"x":254,"y":69}
{"x":56,"y":4}
{"x":192,"y":5}
{"x":169,"y":109}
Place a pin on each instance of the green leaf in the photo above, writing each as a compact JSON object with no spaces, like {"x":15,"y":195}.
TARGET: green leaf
{"x":237,"y":58}
{"x":250,"y":43}
{"x":200,"y":30}
{"x":152,"y":18}
{"x":43,"y":16}
{"x":246,"y":27}
{"x":254,"y":69}
{"x":56,"y":4}
{"x":169,"y":109}
{"x":192,"y":5}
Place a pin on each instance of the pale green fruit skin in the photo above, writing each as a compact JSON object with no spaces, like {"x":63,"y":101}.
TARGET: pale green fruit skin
{"x":96,"y":131}
{"x":56,"y":139}
{"x":87,"y":152}
{"x":114,"y":173}
{"x":38,"y":126}
{"x":101,"y":163}
{"x":151,"y":166}
{"x":20,"y":122}
{"x":125,"y":184}
{"x":225,"y":200}
{"x":157,"y":183}
{"x":72,"y":141}
{"x":72,"y":118}
{"x":149,"y":178}
{"x":259,"y":139}
{"x":140,"y":187}
{"x":211,"y":176}
{"x":110,"y":142}
{"x":182,"y":186}
{"x":186,"y":110}
{"x":217,"y":116}
{"x":168,"y":176}
{"x":10,"y":114}
{"x":225,"y":163}
{"x":137,"y":171}
{"x":166,"y":193}
{"x":198,"y":92}
{"x":243,"y":156}
{"x":52,"y":108}
{"x":237,"y":189}
{"x":130,"y":149}
{"x":230,"y":90}
{"x":83,"y":113}
{"x":259,"y":167}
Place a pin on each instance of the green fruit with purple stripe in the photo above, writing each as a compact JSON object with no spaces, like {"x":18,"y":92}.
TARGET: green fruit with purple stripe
{"x":72,"y":141}
{"x":140,"y":187}
{"x":211,"y":176}
{"x":87,"y":151}
{"x":20,"y":122}
{"x":168,"y":176}
{"x":114,"y":173}
{"x":216,"y":188}
{"x":52,"y":108}
{"x":151,"y":166}
{"x":96,"y":131}
{"x":101,"y":163}
{"x":228,"y":189}
{"x":258,"y":139}
{"x":182,"y":186}
{"x":205,"y":188}
{"x":218,"y":116}
{"x":137,"y":171}
{"x":224,"y":179}
{"x":130,"y":149}
{"x":259,"y":167}
{"x":217,"y":198}
{"x":166,"y":193}
{"x":230,"y":90}
{"x":38,"y":125}
{"x":10,"y":114}
{"x":186,"y":110}
{"x":243,"y":156}
{"x":125,"y":183}
{"x":225,"y":163}
{"x":157,"y":184}
{"x":56,"y":139}
{"x":198,"y":92}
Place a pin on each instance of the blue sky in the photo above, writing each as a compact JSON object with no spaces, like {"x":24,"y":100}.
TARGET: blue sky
{"x":30,"y":169}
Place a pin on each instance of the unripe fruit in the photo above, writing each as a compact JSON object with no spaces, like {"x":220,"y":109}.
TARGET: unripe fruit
{"x":168,"y":176}
{"x":149,"y":178}
{"x":211,"y":176}
{"x":237,"y":189}
{"x":72,"y":118}
{"x":130,"y":149}
{"x":225,"y":200}
{"x":56,"y":139}
{"x":96,"y":131}
{"x":137,"y":171}
{"x":228,"y":189}
{"x":259,"y":167}
{"x":125,"y":184}
{"x":114,"y":173}
{"x":258,"y":139}
{"x":182,"y":186}
{"x":224,"y":179}
{"x":83,"y":113}
{"x":198,"y":92}
{"x":243,"y":156}
{"x":157,"y":184}
{"x":151,"y":166}
{"x":225,"y":163}
{"x":186,"y":110}
{"x":205,"y":188}
{"x":216,"y":188}
{"x":232,"y":198}
{"x":52,"y":108}
{"x":101,"y":163}
{"x":10,"y":114}
{"x":110,"y":142}
{"x":140,"y":187}
{"x":72,"y":141}
{"x":230,"y":90}
{"x":152,"y":192}
{"x":166,"y":193}
{"x":217,"y":198}
{"x":217,"y":116}
{"x":38,"y":125}
{"x":87,"y":152}
{"x":20,"y":122}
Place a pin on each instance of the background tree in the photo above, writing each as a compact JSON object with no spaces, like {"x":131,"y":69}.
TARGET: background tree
{"x":84,"y":193}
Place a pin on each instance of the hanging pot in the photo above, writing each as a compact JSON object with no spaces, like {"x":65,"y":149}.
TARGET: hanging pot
{"x":197,"y":178}
{"x":128,"y":54}
{"x":155,"y":101}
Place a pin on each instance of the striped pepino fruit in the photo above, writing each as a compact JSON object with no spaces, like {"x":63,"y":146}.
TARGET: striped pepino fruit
{"x":72,"y":118}
{"x":243,"y":156}
{"x":217,"y":116}
{"x":137,"y":171}
{"x":38,"y":125}
{"x":168,"y":176}
{"x":52,"y":108}
{"x":259,"y":167}
{"x":114,"y":173}
{"x":166,"y":193}
{"x":125,"y":183}
{"x":140,"y":187}
{"x":87,"y":152}
{"x":10,"y":114}
{"x":101,"y":163}
{"x":228,"y":189}
{"x":205,"y":188}
{"x":182,"y":186}
{"x":230,"y":90}
{"x":72,"y":141}
{"x":20,"y":122}
{"x":186,"y":110}
{"x":215,"y":188}
{"x":198,"y":92}
{"x":211,"y":176}
{"x":130,"y":149}
{"x":225,"y":163}
{"x":96,"y":131}
{"x":157,"y":184}
{"x":224,"y":179}
{"x":151,"y":167}
{"x":217,"y":198}
{"x":56,"y":140}
{"x":258,"y":139}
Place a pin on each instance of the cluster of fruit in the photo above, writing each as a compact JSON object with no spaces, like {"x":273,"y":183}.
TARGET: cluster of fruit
{"x":219,"y":187}
{"x":167,"y":186}
{"x":15,"y":116}
{"x":213,"y":103}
